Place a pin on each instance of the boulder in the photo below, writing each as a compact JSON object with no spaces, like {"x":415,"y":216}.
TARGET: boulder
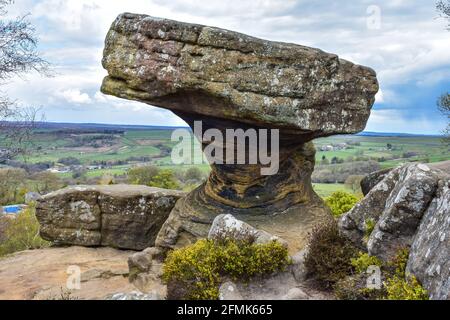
{"x":297,"y":267}
{"x":228,"y":80}
{"x":119,"y":216}
{"x":372,"y":179}
{"x":145,"y":271}
{"x":229,"y":291}
{"x":225,"y":225}
{"x":409,"y":208}
{"x":429,"y":258}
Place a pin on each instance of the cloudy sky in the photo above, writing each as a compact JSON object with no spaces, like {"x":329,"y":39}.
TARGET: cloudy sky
{"x":403,"y":40}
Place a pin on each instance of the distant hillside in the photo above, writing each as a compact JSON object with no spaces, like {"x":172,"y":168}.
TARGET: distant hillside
{"x":86,"y":126}
{"x":393,"y":134}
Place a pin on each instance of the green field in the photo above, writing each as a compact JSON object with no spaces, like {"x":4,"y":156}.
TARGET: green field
{"x":326,"y":189}
{"x":122,"y":149}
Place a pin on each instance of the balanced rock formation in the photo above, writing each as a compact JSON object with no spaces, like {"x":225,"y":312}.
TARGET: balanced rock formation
{"x":410,"y":209}
{"x":119,"y":216}
{"x":229,"y":80}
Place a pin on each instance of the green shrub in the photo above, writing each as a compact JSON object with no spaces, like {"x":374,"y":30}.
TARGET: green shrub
{"x":341,"y":202}
{"x":164,"y":179}
{"x":363,"y":261}
{"x":405,"y":288}
{"x":402,"y":286}
{"x":153,"y":176}
{"x":22,"y":233}
{"x":142,"y":174}
{"x":397,"y":285}
{"x":329,"y":255}
{"x":195,"y":272}
{"x":369,"y":226}
{"x":354,"y":287}
{"x":397,"y":265}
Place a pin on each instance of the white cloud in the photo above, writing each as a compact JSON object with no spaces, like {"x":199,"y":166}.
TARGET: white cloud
{"x":389,"y":120}
{"x":379,"y":97}
{"x":411,"y":47}
{"x":75,"y":96}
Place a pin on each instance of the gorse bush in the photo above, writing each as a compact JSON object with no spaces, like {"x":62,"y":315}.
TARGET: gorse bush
{"x":153,"y":177}
{"x":329,"y":255}
{"x":164,"y":179}
{"x":22,"y":233}
{"x":364,"y":261}
{"x":195,"y":272}
{"x":400,"y":285}
{"x":397,"y":284}
{"x":405,"y":288}
{"x":341,"y":202}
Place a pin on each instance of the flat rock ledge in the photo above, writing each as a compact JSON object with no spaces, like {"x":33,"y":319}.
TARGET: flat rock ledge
{"x":43,"y":274}
{"x":119,"y":216}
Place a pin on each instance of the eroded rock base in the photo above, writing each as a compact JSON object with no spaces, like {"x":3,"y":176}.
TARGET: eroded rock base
{"x":188,"y":223}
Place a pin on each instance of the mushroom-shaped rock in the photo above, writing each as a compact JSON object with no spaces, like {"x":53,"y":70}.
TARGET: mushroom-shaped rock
{"x":229,"y":80}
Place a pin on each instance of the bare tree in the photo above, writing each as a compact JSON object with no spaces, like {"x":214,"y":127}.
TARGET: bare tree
{"x":443,"y":8}
{"x":443,"y":103}
{"x":444,"y":106}
{"x":18,"y":56}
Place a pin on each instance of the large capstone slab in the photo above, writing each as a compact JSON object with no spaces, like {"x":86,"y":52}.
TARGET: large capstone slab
{"x":212,"y":72}
{"x":119,"y":216}
{"x":228,"y":80}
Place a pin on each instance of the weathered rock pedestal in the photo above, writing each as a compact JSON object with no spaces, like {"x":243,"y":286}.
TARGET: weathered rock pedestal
{"x":230,"y":80}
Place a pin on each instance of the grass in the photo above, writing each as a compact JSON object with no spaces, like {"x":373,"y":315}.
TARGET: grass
{"x":326,"y":189}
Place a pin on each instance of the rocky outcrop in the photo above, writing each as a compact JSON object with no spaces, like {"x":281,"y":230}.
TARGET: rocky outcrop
{"x":119,"y":216}
{"x":429,"y":257}
{"x":409,"y":209}
{"x":229,"y":80}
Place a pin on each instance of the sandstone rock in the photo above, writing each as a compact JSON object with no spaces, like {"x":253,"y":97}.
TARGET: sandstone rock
{"x":142,"y":261}
{"x":43,"y":274}
{"x":135,"y":295}
{"x":227,"y":225}
{"x":295,"y":294}
{"x":372,"y":179}
{"x":411,"y":209}
{"x":298,"y":267}
{"x":145,"y":271}
{"x":120,"y":216}
{"x":229,"y":291}
{"x":429,"y":258}
{"x":230,"y":80}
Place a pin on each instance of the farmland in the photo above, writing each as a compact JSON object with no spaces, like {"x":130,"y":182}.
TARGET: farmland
{"x":113,"y":150}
